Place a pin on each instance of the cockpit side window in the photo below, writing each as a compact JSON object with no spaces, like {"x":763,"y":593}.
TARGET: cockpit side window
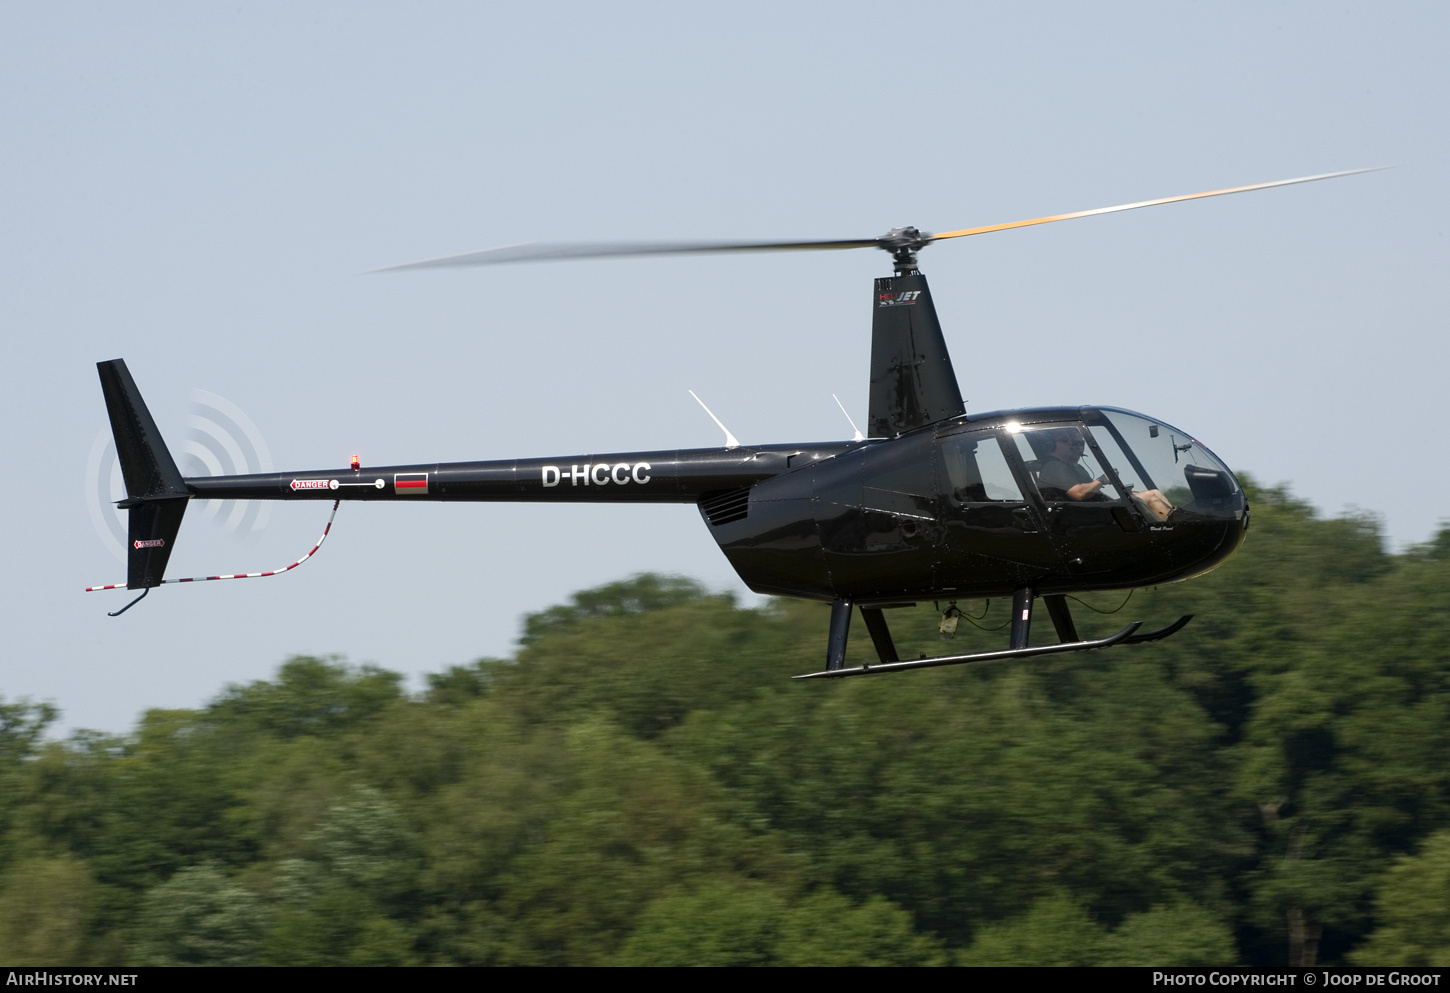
{"x":1059,"y":458}
{"x":1160,"y":457}
{"x":1121,"y":462}
{"x":977,"y":471}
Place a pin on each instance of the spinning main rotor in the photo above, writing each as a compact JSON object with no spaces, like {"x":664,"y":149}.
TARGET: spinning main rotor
{"x":902,"y":243}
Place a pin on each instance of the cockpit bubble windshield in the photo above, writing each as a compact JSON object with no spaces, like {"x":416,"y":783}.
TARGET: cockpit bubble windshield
{"x":1163,"y":458}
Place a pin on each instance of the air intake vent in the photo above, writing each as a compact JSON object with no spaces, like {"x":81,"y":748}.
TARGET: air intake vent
{"x":722,"y":508}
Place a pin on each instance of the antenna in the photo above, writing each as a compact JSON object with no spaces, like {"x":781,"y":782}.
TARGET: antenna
{"x":730,"y":441}
{"x":858,"y":436}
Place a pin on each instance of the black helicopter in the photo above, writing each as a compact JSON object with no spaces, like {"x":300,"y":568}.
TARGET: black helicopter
{"x":934,"y":505}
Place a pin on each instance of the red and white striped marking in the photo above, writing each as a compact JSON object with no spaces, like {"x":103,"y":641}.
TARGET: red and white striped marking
{"x":241,"y":575}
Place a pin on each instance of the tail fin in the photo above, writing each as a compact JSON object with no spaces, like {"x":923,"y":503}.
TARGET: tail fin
{"x":156,"y":495}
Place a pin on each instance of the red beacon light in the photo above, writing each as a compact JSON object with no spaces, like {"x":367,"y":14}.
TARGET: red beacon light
{"x":355,"y":465}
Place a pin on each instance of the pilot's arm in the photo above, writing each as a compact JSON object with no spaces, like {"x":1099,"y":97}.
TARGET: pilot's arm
{"x":1088,"y":490}
{"x":1064,"y":478}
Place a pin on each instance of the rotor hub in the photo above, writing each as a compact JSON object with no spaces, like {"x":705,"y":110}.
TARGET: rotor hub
{"x":903,"y":244}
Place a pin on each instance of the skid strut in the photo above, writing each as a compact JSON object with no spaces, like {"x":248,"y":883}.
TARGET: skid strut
{"x":840,"y":629}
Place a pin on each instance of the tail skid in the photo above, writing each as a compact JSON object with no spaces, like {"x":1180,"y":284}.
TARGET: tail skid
{"x":236,"y":575}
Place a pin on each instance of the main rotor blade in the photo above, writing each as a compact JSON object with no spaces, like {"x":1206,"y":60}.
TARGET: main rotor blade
{"x":893,"y":241}
{"x":545,"y":251}
{"x":965,"y":232}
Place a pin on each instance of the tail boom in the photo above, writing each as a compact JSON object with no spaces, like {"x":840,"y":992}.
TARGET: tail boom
{"x":672,"y":476}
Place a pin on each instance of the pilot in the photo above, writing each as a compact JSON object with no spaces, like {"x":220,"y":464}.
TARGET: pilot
{"x":1061,"y":471}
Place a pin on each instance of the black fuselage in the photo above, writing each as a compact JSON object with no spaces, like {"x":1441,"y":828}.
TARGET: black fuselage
{"x":873,"y":522}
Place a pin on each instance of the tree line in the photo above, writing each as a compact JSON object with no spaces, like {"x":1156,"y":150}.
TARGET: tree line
{"x":641,"y":783}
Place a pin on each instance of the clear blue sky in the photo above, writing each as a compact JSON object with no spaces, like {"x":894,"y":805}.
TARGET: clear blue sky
{"x":197,"y":187}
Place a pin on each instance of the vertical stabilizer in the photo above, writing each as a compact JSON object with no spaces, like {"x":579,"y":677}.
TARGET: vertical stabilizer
{"x":147,"y":466}
{"x":912,"y":381}
{"x":156,"y":494}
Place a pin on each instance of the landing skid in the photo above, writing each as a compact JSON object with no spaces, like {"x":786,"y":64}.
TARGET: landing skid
{"x":1160,"y":634}
{"x":1010,"y":653}
{"x":1021,"y":620}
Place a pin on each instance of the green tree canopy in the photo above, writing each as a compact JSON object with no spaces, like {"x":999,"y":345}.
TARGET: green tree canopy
{"x":642,"y":783}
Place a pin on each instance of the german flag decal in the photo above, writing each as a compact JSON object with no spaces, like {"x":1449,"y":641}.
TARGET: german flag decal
{"x":410,"y":483}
